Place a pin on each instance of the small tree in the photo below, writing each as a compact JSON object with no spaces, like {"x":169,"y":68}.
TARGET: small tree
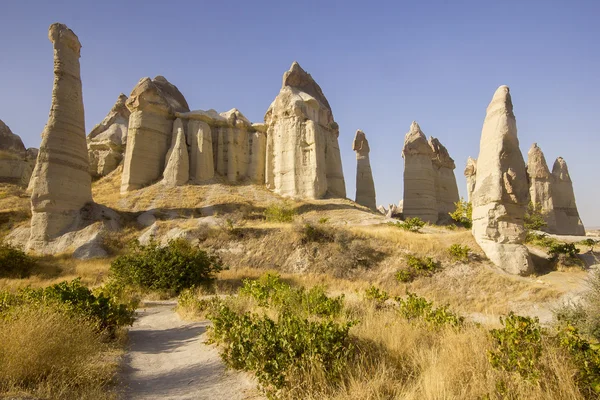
{"x":463,"y":213}
{"x":534,"y":217}
{"x":590,"y":243}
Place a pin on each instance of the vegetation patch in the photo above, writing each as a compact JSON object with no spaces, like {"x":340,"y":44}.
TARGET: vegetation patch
{"x":279,"y":213}
{"x":463,"y":214}
{"x":14,"y":262}
{"x":417,"y":266}
{"x":459,"y":252}
{"x":410,"y":224}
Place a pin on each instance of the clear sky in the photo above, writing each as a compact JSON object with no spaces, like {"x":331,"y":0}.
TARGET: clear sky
{"x":381,"y":65}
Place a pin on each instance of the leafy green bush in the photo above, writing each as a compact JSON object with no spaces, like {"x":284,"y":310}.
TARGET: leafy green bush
{"x":273,"y":350}
{"x":586,"y":357}
{"x":279,"y":213}
{"x":171,"y":268}
{"x":14,"y":263}
{"x":379,"y":296}
{"x":459,"y":253}
{"x":534,"y":217}
{"x":410,"y":224}
{"x":517,"y":346}
{"x":417,"y":266}
{"x":415,"y":308}
{"x":584,"y":314}
{"x":540,"y":239}
{"x":591,"y":243}
{"x":568,"y":249}
{"x":405,"y":275}
{"x":463,"y":214}
{"x":310,"y":233}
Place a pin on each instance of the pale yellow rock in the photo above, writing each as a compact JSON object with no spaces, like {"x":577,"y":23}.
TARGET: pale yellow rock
{"x":446,"y":189}
{"x":419,"y":177}
{"x":177,"y":167}
{"x":62,"y":183}
{"x":201,"y":151}
{"x":153,"y":104}
{"x":567,"y":216}
{"x":302,"y":151}
{"x":365,"y":188}
{"x":501,"y":192}
{"x":471,"y":175}
{"x":541,"y":186}
{"x":16,"y":163}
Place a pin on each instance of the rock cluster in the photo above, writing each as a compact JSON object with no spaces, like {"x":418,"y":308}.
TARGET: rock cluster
{"x":501,"y":192}
{"x":365,"y":188}
{"x":107,"y":141}
{"x":61,"y":184}
{"x":302,"y":152}
{"x":565,"y":209}
{"x":430,"y":189}
{"x":16,"y":162}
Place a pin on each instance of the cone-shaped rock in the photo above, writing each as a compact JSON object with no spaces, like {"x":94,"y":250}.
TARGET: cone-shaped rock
{"x":177,"y":167}
{"x":501,"y":191}
{"x":419,"y":177}
{"x":107,"y":141}
{"x":365,"y":188}
{"x":446,"y":189}
{"x":153,"y":104}
{"x":471,"y":175}
{"x":541,"y":186}
{"x":62,"y":182}
{"x":303,"y":155}
{"x":567,"y":216}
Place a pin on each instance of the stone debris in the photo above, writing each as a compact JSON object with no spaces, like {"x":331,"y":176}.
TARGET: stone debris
{"x":501,"y":192}
{"x":365,"y":188}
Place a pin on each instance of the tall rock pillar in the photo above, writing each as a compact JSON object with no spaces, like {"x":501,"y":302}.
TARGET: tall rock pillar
{"x":567,"y":216}
{"x":365,"y":188}
{"x":62,"y":182}
{"x":501,"y":191}
{"x":471,"y":175}
{"x":541,"y":186}
{"x":446,"y":189}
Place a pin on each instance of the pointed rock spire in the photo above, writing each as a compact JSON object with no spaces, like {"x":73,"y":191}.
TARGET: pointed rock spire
{"x":177,"y":166}
{"x":567,"y":216}
{"x":471,"y":175}
{"x":365,"y":188}
{"x":446,"y":188}
{"x":541,"y":186}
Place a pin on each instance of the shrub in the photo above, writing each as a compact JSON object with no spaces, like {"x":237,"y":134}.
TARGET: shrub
{"x":540,"y":239}
{"x":517,"y":346}
{"x":586,"y":358}
{"x":410,"y":224}
{"x":589,"y":242}
{"x":14,"y":263}
{"x":310,"y":233}
{"x":463,"y":214}
{"x":585,"y":314}
{"x":279,"y":213}
{"x":534,"y":217}
{"x":379,"y":296}
{"x":323,"y":220}
{"x":415,"y":308}
{"x":189,"y":304}
{"x":405,"y":275}
{"x":173,"y":268}
{"x":417,"y":266}
{"x":568,"y":249}
{"x":459,"y":253}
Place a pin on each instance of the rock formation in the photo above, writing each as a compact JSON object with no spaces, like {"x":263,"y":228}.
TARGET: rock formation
{"x":153,"y":104}
{"x":471,"y":175}
{"x":16,"y":162}
{"x":177,"y":167}
{"x":303,"y":155}
{"x":107,"y":141}
{"x":446,"y":190}
{"x":419,"y":177}
{"x":501,"y":192}
{"x":541,"y":186}
{"x":61,"y":184}
{"x":565,"y":209}
{"x":365,"y":188}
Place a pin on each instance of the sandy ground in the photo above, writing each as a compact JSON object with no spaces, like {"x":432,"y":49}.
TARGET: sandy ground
{"x":168,"y":359}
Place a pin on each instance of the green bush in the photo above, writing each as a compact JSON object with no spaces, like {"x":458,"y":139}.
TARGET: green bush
{"x":534,"y":217}
{"x":173,"y":268}
{"x":415,"y":308}
{"x":584,"y":314}
{"x":459,"y":253}
{"x":405,"y":275}
{"x":539,"y":239}
{"x":279,"y":213}
{"x":14,"y":263}
{"x":417,"y":266}
{"x":517,"y":346}
{"x":410,"y":224}
{"x":310,"y":233}
{"x":463,"y":214}
{"x":568,"y":249}
{"x":586,"y":357}
{"x":589,"y":242}
{"x":379,"y":296}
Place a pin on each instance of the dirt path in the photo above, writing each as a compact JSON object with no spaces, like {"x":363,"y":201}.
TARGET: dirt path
{"x":168,"y":359}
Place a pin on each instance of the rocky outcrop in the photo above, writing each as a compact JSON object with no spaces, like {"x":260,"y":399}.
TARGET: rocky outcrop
{"x":419,"y":177}
{"x":501,"y":192}
{"x":471,"y":175}
{"x":16,"y":162}
{"x":541,"y":186}
{"x":302,"y":151}
{"x":446,"y":190}
{"x":153,"y":104}
{"x":177,"y":166}
{"x":565,"y":209}
{"x":61,"y":184}
{"x":365,"y":188}
{"x":107,"y":141}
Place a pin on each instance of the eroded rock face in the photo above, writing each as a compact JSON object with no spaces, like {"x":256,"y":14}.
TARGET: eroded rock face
{"x":541,"y":186}
{"x":365,"y":188}
{"x":446,"y":189}
{"x":303,"y":155}
{"x":16,"y":163}
{"x":61,"y":185}
{"x":471,"y":175}
{"x":419,"y":177}
{"x":501,"y":192}
{"x":565,"y":208}
{"x":153,"y":104}
{"x":107,"y":141}
{"x":177,"y":167}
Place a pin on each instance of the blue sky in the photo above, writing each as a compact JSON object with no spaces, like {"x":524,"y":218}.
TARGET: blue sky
{"x":380,"y":64}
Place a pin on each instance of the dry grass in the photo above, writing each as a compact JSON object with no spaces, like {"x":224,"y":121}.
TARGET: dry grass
{"x":47,"y":354}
